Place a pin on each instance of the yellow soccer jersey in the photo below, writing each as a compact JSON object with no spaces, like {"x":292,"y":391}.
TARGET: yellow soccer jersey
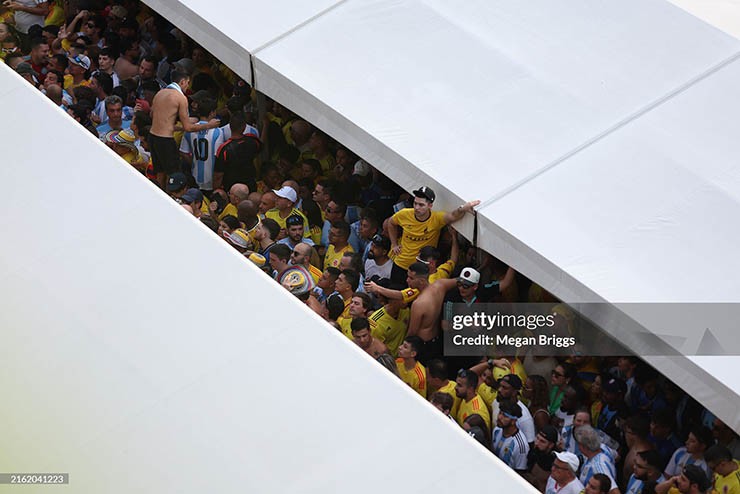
{"x":449,"y":389}
{"x":334,"y":258}
{"x":230,"y":209}
{"x":315,"y":273}
{"x":408,"y":295}
{"x":416,"y":234}
{"x":344,"y":320}
{"x":275,"y":215}
{"x":416,"y":377}
{"x":516,"y":368}
{"x":443,"y":271}
{"x":476,"y":406}
{"x":729,"y":484}
{"x":487,"y":393}
{"x":389,"y":330}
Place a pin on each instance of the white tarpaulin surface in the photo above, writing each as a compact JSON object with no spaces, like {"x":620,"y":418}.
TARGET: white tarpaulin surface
{"x":140,"y":353}
{"x":601,"y":135}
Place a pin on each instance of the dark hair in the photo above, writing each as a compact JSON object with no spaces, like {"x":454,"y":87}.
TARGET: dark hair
{"x":209,"y":222}
{"x":335,"y":306}
{"x":419,"y":268}
{"x":109,"y":52}
{"x":665,"y":417}
{"x":653,"y":459}
{"x":312,"y":212}
{"x":569,"y":370}
{"x":329,"y":186}
{"x":343,"y":228}
{"x":231,"y":221}
{"x":470,"y":377}
{"x":476,"y":420}
{"x":105,"y":81}
{"x":178,"y":75}
{"x":150,"y":85}
{"x":84,"y":93}
{"x":510,"y":407}
{"x":342,"y":207}
{"x":314,"y":164}
{"x":429,"y":252}
{"x":81,"y":111}
{"x":415,"y":342}
{"x":53,"y":30}
{"x":717,"y":453}
{"x":294,"y":220}
{"x":639,"y":425}
{"x":355,"y":260}
{"x":206,"y":106}
{"x":352,"y":277}
{"x":150,"y":59}
{"x":540,"y":398}
{"x":272,"y":227}
{"x":437,"y":368}
{"x":235,"y":104}
{"x":282,"y":251}
{"x":142,"y":119}
{"x":442,"y":399}
{"x":237,"y":122}
{"x":367,"y":301}
{"x":60,"y":76}
{"x":333,"y":272}
{"x":605,"y":484}
{"x":702,"y":434}
{"x":359,"y":323}
{"x":36,"y":42}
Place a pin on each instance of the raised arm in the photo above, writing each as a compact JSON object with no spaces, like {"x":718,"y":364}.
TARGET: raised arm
{"x":393,"y":235}
{"x":185,"y":118}
{"x":457,"y":213}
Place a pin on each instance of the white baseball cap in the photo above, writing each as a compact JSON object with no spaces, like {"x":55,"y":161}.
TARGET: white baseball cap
{"x":287,"y":192}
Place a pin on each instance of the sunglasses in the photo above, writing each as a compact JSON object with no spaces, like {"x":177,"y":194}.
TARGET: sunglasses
{"x":463,"y":373}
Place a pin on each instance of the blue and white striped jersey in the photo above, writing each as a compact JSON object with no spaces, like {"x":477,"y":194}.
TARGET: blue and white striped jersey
{"x":511,"y":450}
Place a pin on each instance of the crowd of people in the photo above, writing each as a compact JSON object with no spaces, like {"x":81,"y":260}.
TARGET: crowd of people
{"x":381,"y":265}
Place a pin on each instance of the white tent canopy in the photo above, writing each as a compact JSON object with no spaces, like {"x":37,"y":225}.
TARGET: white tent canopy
{"x":140,"y":353}
{"x":600,"y":136}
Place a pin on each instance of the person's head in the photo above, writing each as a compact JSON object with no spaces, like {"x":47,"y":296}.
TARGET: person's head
{"x":54,"y":93}
{"x":509,"y":387}
{"x":106,"y":59}
{"x":582,"y":417}
{"x":13,"y":60}
{"x":647,"y":465}
{"x":436,"y":373}
{"x":53,"y":77}
{"x":339,"y":233}
{"x":280,"y":257}
{"x":573,"y":397}
{"x":465,"y":384}
{"x":246,"y":211}
{"x":722,"y":433}
{"x":102,"y":82}
{"x":562,"y":375}
{"x":334,"y":306}
{"x":301,"y":254}
{"x":693,"y":480}
{"x":587,"y":439}
{"x":700,"y":438}
{"x":360,"y":305}
{"x":148,"y":67}
{"x":6,"y":33}
{"x":379,"y":247}
{"x":310,"y":168}
{"x":93,"y":27}
{"x":509,"y":412}
{"x":417,"y":275}
{"x":238,"y":193}
{"x":237,"y":123}
{"x":271,"y":176}
{"x":39,"y":51}
{"x":335,"y":211}
{"x":613,"y":390}
{"x":294,"y":227}
{"x":598,"y":484}
{"x":430,"y":255}
{"x":564,"y":467}
{"x":328,"y":279}
{"x":423,"y":201}
{"x":322,"y":192}
{"x":227,"y":225}
{"x":361,"y":332}
{"x":636,"y":428}
{"x":267,"y":230}
{"x":368,"y":226}
{"x":267,"y":201}
{"x":114,"y":109}
{"x":351,"y":260}
{"x":467,"y":282}
{"x":286,"y":198}
{"x":300,"y":131}
{"x":720,"y":460}
{"x":410,"y":348}
{"x":662,"y":423}
{"x":443,"y":402}
{"x":546,"y":439}
{"x":347,"y":282}
{"x":535,"y":390}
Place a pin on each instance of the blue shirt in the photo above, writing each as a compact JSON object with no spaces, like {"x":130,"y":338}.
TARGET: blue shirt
{"x":103,"y":128}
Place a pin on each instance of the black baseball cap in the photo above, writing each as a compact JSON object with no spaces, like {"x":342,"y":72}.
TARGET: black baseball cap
{"x":425,"y":193}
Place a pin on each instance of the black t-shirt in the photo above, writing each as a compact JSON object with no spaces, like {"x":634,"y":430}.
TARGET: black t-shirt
{"x":235,"y":159}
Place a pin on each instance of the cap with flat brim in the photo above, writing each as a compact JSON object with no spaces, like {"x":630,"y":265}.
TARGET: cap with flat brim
{"x":425,"y":193}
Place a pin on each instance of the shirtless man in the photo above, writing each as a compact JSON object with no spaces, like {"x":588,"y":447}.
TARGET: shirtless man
{"x":169,"y":105}
{"x":361,"y":335}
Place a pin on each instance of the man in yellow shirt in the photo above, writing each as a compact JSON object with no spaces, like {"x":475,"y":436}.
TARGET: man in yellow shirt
{"x":390,"y":323}
{"x":409,"y":369}
{"x":284,"y":208}
{"x":338,"y":244}
{"x":301,"y":256}
{"x":346,"y":284}
{"x":421,"y":227}
{"x":726,"y":470}
{"x":437,"y":382}
{"x":692,"y":480}
{"x":471,"y":402}
{"x":237,"y":194}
